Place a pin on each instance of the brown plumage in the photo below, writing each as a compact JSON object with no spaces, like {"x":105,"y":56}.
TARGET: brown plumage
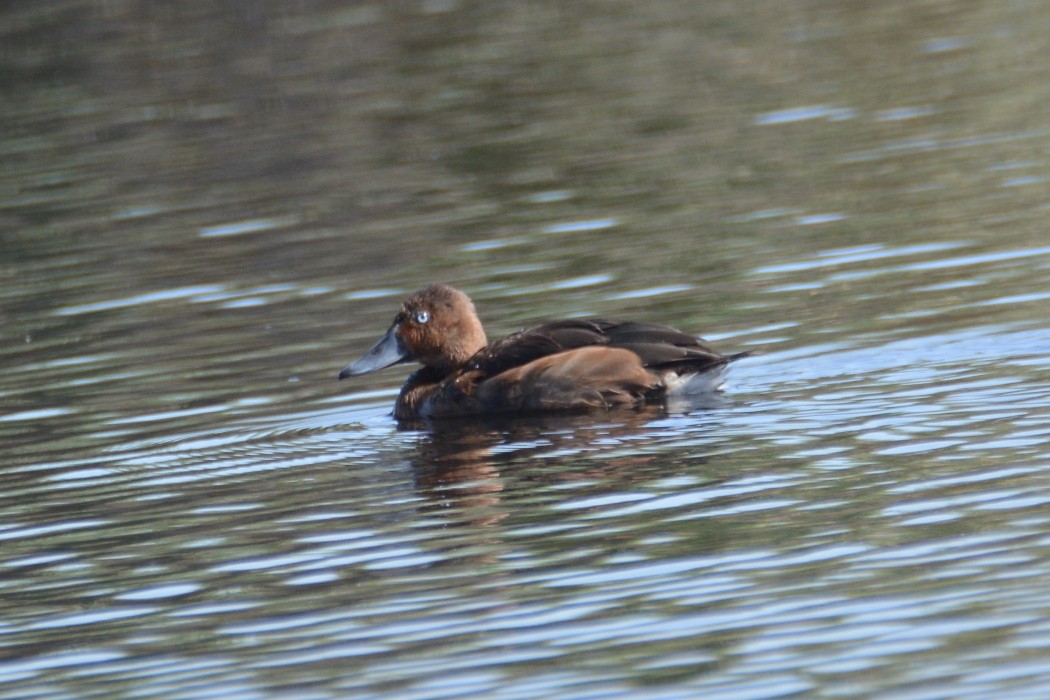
{"x":564,"y":365}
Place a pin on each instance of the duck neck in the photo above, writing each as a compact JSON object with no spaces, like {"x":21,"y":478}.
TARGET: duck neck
{"x":470,"y":338}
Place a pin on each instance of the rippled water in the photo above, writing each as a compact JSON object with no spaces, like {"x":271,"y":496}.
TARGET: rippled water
{"x":207,"y":209}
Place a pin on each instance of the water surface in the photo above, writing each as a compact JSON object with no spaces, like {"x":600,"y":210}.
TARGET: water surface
{"x":207,"y":210}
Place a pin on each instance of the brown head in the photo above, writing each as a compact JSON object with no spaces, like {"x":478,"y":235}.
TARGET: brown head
{"x":437,"y":327}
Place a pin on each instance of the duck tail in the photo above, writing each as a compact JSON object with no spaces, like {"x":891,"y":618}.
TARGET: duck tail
{"x":738,"y":356}
{"x":706,"y":381}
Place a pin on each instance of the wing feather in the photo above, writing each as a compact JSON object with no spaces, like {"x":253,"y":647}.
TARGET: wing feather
{"x":659,"y":347}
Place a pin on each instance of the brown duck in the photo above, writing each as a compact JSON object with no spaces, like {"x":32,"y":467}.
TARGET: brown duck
{"x":571,"y":365}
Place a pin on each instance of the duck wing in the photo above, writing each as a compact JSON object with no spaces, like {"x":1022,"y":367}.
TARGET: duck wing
{"x":533,"y":343}
{"x":659,"y":347}
{"x":663,"y":348}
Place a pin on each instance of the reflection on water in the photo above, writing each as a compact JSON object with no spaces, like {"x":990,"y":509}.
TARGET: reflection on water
{"x":204,"y":207}
{"x":458,"y":462}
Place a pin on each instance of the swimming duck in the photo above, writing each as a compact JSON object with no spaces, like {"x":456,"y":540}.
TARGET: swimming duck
{"x":575,"y":365}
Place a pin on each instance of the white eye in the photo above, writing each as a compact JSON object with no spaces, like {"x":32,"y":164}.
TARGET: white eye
{"x":422,"y":316}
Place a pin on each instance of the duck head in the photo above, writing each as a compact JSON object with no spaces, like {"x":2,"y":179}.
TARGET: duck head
{"x":437,"y":327}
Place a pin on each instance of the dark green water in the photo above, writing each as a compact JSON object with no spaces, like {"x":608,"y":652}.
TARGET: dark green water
{"x":207,"y":209}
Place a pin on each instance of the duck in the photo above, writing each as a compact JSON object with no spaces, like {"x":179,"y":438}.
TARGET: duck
{"x":576,"y":365}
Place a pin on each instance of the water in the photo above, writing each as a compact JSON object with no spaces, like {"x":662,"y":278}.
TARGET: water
{"x":207,"y":210}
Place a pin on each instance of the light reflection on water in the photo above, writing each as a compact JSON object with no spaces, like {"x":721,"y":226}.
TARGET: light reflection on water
{"x":192,"y":505}
{"x":541,"y":535}
{"x":782,"y":519}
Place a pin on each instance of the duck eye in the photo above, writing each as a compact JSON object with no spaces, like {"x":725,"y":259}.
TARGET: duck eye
{"x":422,"y":316}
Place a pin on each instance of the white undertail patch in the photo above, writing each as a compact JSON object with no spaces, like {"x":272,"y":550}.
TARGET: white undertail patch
{"x":685,"y":385}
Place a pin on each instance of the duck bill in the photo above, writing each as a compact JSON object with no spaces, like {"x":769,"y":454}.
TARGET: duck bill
{"x":387,"y":351}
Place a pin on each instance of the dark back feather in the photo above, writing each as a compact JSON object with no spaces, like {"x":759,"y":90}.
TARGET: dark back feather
{"x":659,"y":347}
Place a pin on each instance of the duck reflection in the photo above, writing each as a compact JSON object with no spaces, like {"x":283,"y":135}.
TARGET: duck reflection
{"x":462,"y":464}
